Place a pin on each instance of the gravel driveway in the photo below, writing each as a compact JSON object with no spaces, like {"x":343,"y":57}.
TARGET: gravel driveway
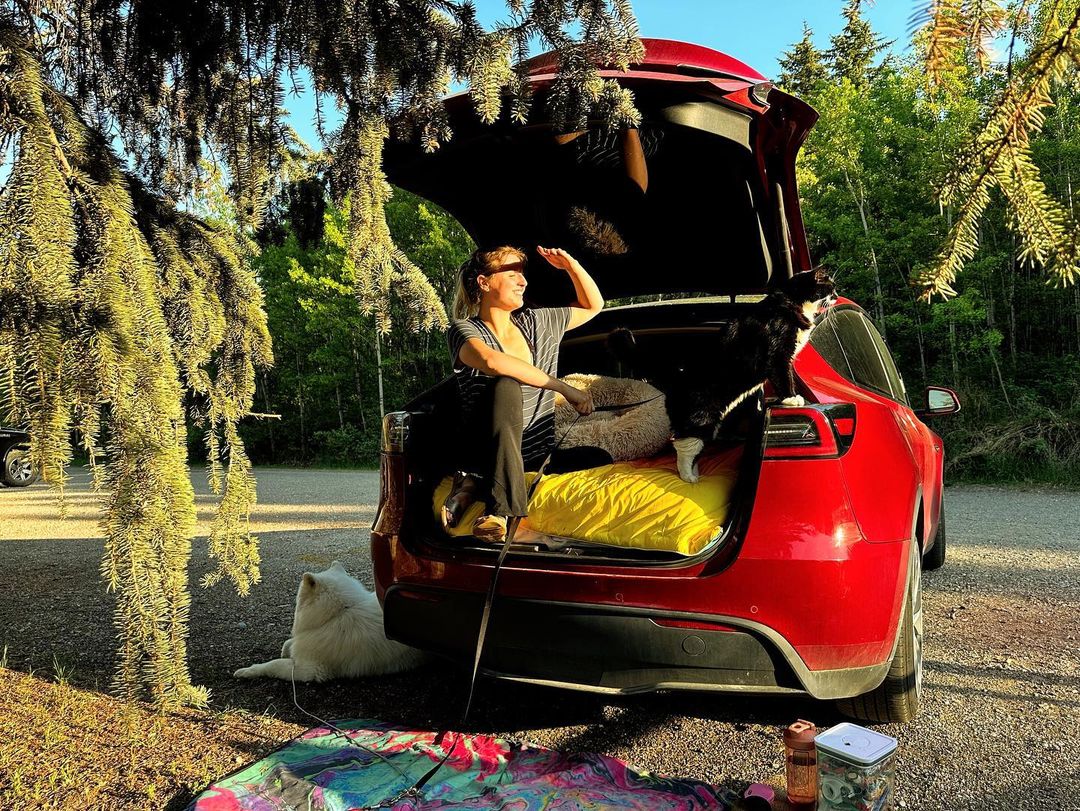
{"x":998,"y":728}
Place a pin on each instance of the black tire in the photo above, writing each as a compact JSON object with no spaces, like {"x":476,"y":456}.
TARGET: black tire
{"x":935,"y":558}
{"x":897,"y":699}
{"x":18,"y":472}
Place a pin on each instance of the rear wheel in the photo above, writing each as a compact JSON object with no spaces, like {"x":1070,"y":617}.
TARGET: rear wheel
{"x":897,"y":698}
{"x":18,"y":471}
{"x":935,"y":558}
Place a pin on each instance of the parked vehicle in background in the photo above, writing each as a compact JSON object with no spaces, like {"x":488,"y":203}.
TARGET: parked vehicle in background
{"x":814,"y":585}
{"x":15,"y":453}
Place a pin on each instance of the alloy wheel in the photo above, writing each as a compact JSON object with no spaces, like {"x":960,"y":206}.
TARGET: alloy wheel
{"x":19,"y":467}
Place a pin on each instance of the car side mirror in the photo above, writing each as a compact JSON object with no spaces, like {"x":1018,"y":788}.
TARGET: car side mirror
{"x":937,"y":402}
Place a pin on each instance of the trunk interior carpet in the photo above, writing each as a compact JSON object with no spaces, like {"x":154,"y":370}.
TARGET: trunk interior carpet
{"x":372,"y":762}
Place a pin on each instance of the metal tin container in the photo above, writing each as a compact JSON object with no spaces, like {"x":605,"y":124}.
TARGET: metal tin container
{"x":856,"y":769}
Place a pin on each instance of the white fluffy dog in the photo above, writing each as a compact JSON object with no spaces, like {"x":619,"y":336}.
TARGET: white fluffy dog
{"x":337,"y":632}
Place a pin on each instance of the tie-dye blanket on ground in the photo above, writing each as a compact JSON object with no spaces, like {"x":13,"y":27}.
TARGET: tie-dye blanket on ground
{"x":322,"y":770}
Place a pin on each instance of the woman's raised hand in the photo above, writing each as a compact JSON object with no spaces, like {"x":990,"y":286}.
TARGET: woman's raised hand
{"x":557,"y":257}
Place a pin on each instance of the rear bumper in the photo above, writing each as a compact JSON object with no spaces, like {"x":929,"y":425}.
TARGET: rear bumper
{"x":611,"y":649}
{"x":809,"y":604}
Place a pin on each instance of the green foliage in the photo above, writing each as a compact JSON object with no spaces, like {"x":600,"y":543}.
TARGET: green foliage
{"x":998,"y":155}
{"x":803,"y":66}
{"x":325,"y":386}
{"x":111,"y":306}
{"x":116,"y":309}
{"x":173,"y":80}
{"x":1007,"y":341}
{"x":349,"y":446}
{"x":852,"y":52}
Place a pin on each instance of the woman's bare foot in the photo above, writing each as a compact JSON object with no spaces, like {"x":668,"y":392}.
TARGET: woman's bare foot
{"x":490,"y":528}
{"x":463,"y":492}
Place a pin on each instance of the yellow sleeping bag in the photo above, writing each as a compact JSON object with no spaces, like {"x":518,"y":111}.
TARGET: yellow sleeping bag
{"x":638,"y":505}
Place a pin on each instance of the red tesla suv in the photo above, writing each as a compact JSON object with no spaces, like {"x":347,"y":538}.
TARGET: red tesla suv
{"x":813,"y":583}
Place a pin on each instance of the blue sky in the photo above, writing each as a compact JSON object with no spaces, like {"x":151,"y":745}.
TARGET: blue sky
{"x":758,"y":32}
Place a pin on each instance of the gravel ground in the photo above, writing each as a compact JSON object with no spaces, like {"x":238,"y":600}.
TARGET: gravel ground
{"x":997,"y":729}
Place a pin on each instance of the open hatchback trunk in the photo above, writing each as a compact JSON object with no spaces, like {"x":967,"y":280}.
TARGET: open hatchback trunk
{"x":720,"y":212}
{"x":716,"y":217}
{"x":638,"y":511}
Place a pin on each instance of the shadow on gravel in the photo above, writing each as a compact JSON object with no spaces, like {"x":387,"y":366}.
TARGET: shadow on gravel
{"x":434,"y":697}
{"x":1059,"y":793}
{"x":53,"y":604}
{"x":967,"y":692}
{"x":1010,"y":580}
{"x":1000,"y":673}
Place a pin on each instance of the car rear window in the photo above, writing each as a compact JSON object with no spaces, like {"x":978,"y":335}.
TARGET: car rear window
{"x":849,"y":343}
{"x":896,"y":381}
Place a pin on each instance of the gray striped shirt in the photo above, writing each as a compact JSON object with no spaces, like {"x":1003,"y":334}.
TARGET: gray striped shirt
{"x":543,"y":329}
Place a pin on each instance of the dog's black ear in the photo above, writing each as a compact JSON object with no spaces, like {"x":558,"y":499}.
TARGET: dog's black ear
{"x":622,"y":344}
{"x":309,"y":580}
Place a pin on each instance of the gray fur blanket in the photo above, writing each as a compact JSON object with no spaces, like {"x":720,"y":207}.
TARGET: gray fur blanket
{"x":634,"y":434}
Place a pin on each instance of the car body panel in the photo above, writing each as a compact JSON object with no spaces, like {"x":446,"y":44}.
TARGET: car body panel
{"x":805,"y":545}
{"x":13,"y":438}
{"x":807,"y":595}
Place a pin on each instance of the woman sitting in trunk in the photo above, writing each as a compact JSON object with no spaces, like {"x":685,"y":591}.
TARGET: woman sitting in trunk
{"x":505,"y":357}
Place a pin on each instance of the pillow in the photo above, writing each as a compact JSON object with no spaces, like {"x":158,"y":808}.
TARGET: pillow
{"x":635,"y":433}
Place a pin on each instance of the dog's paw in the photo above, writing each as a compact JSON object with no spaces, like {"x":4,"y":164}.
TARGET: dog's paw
{"x":691,"y":478}
{"x":244,"y":673}
{"x":794,"y":402}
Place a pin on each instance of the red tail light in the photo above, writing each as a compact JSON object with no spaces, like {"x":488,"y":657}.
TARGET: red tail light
{"x":811,"y":431}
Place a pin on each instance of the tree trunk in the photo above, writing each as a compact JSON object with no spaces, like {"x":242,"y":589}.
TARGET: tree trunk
{"x":952,"y":352}
{"x":922,"y":349}
{"x":1011,"y":295}
{"x":266,"y":409}
{"x":1001,"y":380}
{"x":1076,"y":284}
{"x":340,"y":413}
{"x":918,"y":322}
{"x":860,"y":203}
{"x":378,"y":364}
{"x":359,"y":387}
{"x":1076,"y":309}
{"x":300,"y":404}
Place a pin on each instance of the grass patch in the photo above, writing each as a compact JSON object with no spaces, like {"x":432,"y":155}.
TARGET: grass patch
{"x":1006,"y":471}
{"x":1041,"y":448}
{"x":71,"y":748}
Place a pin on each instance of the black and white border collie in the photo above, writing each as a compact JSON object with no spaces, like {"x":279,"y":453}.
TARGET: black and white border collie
{"x":705,"y":383}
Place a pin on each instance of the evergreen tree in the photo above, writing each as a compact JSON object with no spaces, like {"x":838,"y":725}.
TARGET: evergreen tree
{"x":998,"y":154}
{"x":116,"y":305}
{"x":852,"y":52}
{"x":1007,"y":341}
{"x":802,"y":67}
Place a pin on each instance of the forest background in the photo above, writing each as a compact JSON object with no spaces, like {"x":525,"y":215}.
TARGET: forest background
{"x":1009,"y":342}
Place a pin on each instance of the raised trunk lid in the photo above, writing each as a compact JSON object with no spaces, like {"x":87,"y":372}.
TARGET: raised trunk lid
{"x":720,"y":172}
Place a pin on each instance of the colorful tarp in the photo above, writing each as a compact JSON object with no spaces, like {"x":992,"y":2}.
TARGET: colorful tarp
{"x":374,"y":762}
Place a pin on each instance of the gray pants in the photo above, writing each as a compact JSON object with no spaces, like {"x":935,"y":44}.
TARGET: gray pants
{"x":491,"y":448}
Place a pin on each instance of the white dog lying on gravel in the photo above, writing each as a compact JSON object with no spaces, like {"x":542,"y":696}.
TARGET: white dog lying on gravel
{"x":337,"y":632}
